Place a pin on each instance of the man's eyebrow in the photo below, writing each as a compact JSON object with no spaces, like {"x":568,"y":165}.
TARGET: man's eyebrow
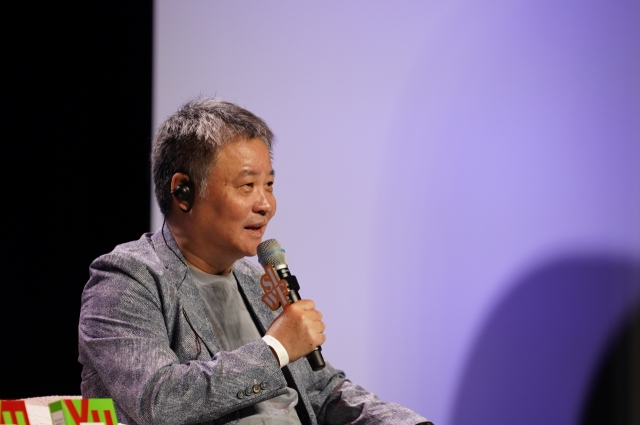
{"x":251,"y":172}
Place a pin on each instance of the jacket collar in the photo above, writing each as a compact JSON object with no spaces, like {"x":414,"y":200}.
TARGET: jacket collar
{"x":169,"y":254}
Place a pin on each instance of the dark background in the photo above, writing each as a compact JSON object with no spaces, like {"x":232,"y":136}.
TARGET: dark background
{"x":76,"y":183}
{"x":76,"y":173}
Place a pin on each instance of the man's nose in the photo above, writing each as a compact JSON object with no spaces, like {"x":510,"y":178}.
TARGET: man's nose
{"x":265,"y":203}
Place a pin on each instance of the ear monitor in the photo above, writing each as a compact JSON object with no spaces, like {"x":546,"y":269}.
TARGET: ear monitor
{"x":185,"y":192}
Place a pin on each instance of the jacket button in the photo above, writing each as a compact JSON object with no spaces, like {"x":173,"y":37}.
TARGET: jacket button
{"x":248,"y":391}
{"x":263,"y":385}
{"x":256,"y":388}
{"x":240,"y":394}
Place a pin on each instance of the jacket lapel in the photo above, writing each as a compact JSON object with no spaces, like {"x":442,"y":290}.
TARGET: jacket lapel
{"x":193,"y":310}
{"x":190,"y":302}
{"x":248,"y":279}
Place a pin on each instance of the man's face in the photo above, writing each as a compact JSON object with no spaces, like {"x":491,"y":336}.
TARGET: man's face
{"x":239,"y":201}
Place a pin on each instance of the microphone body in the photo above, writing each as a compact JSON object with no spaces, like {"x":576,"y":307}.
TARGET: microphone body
{"x":270,"y":252}
{"x":315,"y":359}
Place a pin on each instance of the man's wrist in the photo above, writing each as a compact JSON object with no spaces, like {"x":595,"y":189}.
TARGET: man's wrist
{"x":278,"y":349}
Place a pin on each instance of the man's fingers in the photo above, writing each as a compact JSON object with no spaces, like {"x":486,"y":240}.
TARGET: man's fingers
{"x":303,"y":305}
{"x":304,"y":311}
{"x":313,"y":315}
{"x":323,"y":339}
{"x":318,"y":326}
{"x":299,"y":328}
{"x":319,"y":339}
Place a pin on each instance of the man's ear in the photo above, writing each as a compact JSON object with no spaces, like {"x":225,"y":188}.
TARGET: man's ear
{"x":183,"y":191}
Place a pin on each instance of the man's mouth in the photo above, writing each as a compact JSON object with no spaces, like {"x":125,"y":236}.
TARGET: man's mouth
{"x":255,"y":227}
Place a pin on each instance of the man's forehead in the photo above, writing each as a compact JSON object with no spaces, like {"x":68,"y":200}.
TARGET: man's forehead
{"x":242,"y":157}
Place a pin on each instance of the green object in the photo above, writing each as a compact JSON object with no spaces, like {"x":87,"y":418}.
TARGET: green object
{"x":85,"y":410}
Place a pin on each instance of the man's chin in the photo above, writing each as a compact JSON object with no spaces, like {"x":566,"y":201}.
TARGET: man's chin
{"x":252,"y":251}
{"x":250,"y":246}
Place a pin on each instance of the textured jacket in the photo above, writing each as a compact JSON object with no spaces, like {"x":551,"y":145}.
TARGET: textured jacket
{"x":146,"y":341}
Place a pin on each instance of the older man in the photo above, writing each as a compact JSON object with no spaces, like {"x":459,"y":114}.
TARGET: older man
{"x":172,"y":327}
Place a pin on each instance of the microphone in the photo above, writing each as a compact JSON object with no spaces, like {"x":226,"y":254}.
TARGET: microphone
{"x":270,"y":253}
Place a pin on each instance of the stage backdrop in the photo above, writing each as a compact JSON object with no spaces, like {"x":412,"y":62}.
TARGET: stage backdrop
{"x":457,"y":181}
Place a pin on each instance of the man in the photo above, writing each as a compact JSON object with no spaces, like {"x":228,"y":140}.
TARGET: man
{"x":171,"y":324}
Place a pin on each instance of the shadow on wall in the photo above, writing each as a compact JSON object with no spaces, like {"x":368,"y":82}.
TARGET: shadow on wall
{"x":540,"y":350}
{"x":615,"y":396}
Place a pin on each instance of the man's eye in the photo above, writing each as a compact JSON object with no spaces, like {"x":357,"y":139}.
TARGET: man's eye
{"x":249,"y":184}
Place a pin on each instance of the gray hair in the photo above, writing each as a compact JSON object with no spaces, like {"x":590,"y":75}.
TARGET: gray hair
{"x":188,"y":141}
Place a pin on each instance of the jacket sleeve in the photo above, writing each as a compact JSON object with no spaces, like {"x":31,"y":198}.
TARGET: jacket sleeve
{"x":352,"y":404}
{"x":337,"y":401}
{"x":126,"y":350}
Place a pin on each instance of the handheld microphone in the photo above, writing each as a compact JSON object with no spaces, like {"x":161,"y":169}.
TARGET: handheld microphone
{"x":271,"y":253}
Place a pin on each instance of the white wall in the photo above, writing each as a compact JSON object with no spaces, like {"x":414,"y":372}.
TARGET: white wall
{"x":429,"y":154}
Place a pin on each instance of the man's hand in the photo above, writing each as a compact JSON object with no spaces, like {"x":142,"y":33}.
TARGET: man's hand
{"x":299,"y":328}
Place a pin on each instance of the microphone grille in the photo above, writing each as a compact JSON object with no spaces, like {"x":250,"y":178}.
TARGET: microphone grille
{"x":270,"y":252}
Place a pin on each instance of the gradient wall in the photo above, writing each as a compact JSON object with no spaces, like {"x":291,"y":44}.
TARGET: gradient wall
{"x":458,"y":183}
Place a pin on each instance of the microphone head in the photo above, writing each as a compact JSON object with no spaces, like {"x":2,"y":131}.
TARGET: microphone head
{"x":270,"y":252}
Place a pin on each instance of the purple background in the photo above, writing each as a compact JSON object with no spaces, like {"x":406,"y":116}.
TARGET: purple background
{"x":458,"y":183}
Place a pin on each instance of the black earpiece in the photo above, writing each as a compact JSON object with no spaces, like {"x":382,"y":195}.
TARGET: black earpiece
{"x":185,"y":192}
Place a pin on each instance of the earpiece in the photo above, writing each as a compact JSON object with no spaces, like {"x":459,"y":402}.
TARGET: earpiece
{"x":185,"y":192}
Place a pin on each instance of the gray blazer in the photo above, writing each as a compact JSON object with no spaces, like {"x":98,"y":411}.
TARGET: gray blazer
{"x":145,"y":340}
